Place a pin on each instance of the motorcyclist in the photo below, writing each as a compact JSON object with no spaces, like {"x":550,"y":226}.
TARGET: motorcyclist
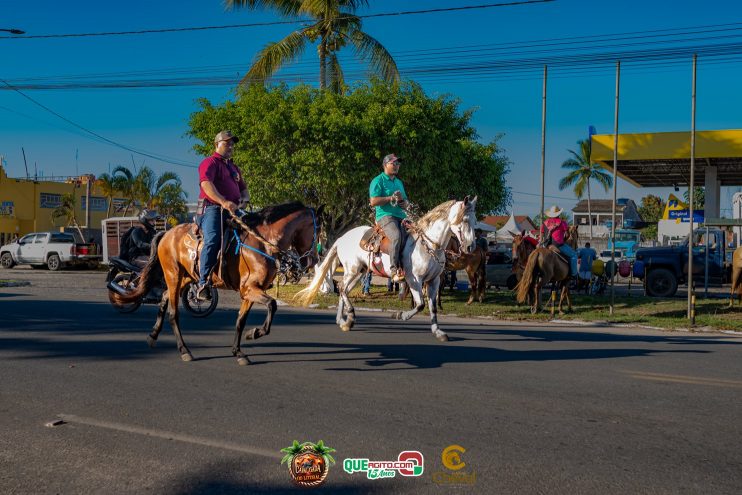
{"x":138,"y":239}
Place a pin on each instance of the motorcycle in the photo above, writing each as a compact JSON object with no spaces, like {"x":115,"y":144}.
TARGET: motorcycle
{"x":124,"y":277}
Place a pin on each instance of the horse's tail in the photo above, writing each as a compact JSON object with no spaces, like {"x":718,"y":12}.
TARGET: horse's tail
{"x":307,"y":295}
{"x":527,"y":279}
{"x":151,"y":275}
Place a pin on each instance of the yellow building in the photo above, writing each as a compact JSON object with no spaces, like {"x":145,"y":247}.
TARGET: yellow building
{"x":26,"y":205}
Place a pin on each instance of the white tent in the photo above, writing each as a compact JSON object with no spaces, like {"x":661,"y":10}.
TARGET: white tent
{"x":485,"y":227}
{"x":503,"y":233}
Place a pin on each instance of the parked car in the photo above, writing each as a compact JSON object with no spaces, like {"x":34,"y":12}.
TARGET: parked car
{"x":605,"y":255}
{"x":500,"y":270}
{"x":665,"y":267}
{"x":53,"y":250}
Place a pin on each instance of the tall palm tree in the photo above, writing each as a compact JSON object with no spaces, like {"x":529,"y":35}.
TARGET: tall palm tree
{"x":108,"y":186}
{"x":124,"y":180}
{"x":67,"y":210}
{"x":151,"y":191}
{"x":332,"y":29}
{"x":582,"y":171}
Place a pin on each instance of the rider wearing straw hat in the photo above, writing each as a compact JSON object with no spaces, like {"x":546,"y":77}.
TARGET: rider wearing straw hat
{"x":556,"y":228}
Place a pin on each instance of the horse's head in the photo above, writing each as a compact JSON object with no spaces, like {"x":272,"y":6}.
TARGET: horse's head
{"x":306,"y":235}
{"x":462,"y":218}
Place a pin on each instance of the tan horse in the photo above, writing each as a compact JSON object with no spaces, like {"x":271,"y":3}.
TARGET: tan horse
{"x":545,"y":266}
{"x":474,"y":264}
{"x":736,"y":276}
{"x":522,"y":249}
{"x":254,"y":252}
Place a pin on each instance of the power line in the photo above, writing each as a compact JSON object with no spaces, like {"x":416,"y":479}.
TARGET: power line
{"x":109,"y":141}
{"x":276,"y":23}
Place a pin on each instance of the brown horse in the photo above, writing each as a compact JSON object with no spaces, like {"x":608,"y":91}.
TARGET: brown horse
{"x":545,"y":266}
{"x":256,"y":249}
{"x":522,"y":249}
{"x":736,"y":276}
{"x":474,"y":264}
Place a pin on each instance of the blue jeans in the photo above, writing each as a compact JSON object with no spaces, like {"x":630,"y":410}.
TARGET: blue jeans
{"x":572,"y":255}
{"x":366,"y":283}
{"x":212,"y":229}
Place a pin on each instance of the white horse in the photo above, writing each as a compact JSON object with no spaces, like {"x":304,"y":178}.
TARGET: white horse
{"x":423,"y":259}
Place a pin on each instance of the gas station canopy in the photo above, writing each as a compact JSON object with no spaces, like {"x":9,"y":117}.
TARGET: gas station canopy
{"x":662,"y":159}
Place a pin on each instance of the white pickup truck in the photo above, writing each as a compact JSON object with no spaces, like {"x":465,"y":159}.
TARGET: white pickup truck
{"x":52,"y":250}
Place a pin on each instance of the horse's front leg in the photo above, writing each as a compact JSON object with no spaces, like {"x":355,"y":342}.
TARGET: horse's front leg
{"x":417,"y":299}
{"x":242,"y":359}
{"x":157,"y":328}
{"x":259,"y":296}
{"x":433,"y":288}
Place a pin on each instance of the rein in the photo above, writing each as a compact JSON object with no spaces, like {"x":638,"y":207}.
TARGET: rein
{"x":291,"y":265}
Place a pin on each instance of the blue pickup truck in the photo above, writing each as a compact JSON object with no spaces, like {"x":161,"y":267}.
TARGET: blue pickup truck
{"x":664,"y":268}
{"x":627,"y":241}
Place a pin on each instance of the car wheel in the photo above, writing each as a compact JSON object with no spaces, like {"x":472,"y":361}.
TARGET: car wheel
{"x":6,"y":261}
{"x":661,"y":282}
{"x":53,"y":262}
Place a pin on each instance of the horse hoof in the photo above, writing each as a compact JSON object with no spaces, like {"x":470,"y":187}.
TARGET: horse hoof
{"x":187,"y":357}
{"x":151,"y":342}
{"x":468,"y":303}
{"x":252,"y":334}
{"x":442,"y":337}
{"x":243,"y":361}
{"x":397,"y":315}
{"x":345,"y":327}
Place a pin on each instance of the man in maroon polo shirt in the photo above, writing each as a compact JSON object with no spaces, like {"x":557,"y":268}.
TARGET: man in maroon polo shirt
{"x":222,"y":188}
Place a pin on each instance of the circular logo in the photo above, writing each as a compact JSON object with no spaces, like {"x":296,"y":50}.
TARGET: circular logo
{"x":308,"y":463}
{"x":451,"y":458}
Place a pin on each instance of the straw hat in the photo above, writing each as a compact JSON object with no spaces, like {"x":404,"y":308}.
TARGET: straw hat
{"x":553,"y":212}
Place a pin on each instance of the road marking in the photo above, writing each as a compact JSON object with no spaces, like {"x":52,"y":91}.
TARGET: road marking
{"x":694,"y":380}
{"x":71,"y":418}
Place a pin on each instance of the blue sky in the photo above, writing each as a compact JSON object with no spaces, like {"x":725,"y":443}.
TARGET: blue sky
{"x":655,"y":98}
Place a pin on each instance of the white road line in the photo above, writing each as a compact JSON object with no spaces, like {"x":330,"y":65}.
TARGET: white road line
{"x":71,"y":418}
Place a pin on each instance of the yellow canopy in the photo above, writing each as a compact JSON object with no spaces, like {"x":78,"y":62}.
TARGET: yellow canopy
{"x":663,"y":158}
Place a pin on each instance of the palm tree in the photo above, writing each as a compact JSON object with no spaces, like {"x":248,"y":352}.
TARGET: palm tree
{"x":582,"y":171}
{"x":333,"y":29}
{"x":67,"y":210}
{"x":124,"y":181}
{"x":109,"y":187}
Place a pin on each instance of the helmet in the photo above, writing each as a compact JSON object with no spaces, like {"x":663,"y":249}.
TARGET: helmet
{"x":148,"y":216}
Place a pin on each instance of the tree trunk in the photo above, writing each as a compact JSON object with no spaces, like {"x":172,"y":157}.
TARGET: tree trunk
{"x":323,"y":63}
{"x":589,"y":210}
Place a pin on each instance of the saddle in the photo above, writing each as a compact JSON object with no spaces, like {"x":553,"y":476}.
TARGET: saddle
{"x":193,"y":242}
{"x":375,"y":242}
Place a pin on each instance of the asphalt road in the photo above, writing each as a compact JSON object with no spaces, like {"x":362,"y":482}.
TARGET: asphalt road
{"x":539,"y":409}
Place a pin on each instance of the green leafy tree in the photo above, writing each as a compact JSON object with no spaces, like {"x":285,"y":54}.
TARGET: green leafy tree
{"x":124,"y":181}
{"x":651,"y":209}
{"x":324,"y":148}
{"x":335,"y":26}
{"x":582,"y":171}
{"x":67,"y":210}
{"x":699,"y":197}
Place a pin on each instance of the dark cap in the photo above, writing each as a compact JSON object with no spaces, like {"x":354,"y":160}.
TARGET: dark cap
{"x":226,"y":136}
{"x":390,"y":158}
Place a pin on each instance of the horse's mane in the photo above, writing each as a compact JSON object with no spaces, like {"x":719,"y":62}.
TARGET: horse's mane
{"x":272,"y":214}
{"x":437,"y":213}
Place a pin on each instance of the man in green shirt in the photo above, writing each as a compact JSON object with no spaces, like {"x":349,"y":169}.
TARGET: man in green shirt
{"x":388,"y":196}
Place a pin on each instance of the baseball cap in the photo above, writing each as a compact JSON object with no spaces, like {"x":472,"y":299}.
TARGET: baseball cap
{"x":390,"y":158}
{"x":226,"y":136}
